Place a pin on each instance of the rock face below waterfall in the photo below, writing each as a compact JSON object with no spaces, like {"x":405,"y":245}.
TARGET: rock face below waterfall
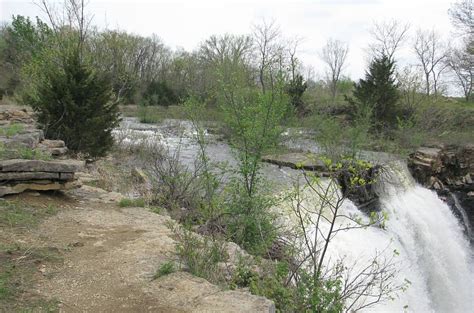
{"x":447,"y":169}
{"x":362,"y":194}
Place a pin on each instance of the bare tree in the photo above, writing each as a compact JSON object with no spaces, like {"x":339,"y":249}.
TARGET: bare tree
{"x":334,"y":54}
{"x":410,"y":80}
{"x":431,"y":54}
{"x":226,"y":47}
{"x":462,"y":16}
{"x":73,"y":16}
{"x":292,"y":49}
{"x":461,"y":64}
{"x":388,"y":37}
{"x":266,"y":36}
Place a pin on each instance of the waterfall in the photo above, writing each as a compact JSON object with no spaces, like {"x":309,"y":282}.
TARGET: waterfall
{"x":463,"y":214}
{"x":433,"y":248}
{"x":433,"y":251}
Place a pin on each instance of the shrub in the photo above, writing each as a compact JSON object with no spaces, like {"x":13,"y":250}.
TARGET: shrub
{"x":165,"y":269}
{"x":126,"y":202}
{"x":73,"y":103}
{"x":147,"y":115}
{"x":201,"y":255}
{"x":158,"y":93}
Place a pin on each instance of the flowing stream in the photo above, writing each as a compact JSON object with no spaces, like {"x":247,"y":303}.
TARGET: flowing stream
{"x":434,"y":254}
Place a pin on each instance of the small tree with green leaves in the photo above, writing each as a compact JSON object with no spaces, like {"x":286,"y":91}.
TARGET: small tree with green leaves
{"x":253,"y":118}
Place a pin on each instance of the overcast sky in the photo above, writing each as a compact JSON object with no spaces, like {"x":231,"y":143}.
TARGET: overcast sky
{"x":187,"y":23}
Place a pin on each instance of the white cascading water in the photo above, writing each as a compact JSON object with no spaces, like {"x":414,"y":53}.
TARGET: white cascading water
{"x":434,"y":254}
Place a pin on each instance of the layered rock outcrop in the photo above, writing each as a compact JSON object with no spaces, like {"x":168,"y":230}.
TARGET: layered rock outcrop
{"x":30,"y":162}
{"x":448,"y":169}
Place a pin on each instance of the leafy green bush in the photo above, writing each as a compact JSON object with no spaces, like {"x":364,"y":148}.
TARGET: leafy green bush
{"x":159,"y":93}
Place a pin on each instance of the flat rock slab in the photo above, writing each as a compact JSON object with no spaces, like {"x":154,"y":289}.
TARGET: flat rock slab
{"x":57,"y":166}
{"x":19,"y":188}
{"x":8,"y":176}
{"x":306,"y":161}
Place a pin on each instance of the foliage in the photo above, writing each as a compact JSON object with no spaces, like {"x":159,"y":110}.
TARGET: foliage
{"x":147,"y":115}
{"x":210,"y":176}
{"x":127,"y":202}
{"x":379,"y":92}
{"x":18,"y":214}
{"x":20,"y":42}
{"x":73,"y":103}
{"x":295,"y":90}
{"x":253,"y":118}
{"x":201,"y":255}
{"x":165,"y":269}
{"x":11,"y":130}
{"x":159,"y":93}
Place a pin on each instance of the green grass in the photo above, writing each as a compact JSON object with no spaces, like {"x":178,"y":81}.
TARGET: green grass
{"x":165,"y":269}
{"x":33,"y":154}
{"x":11,"y":130}
{"x":127,"y":202}
{"x":157,"y":209}
{"x":23,"y":153}
{"x":17,"y":214}
{"x":17,"y":269}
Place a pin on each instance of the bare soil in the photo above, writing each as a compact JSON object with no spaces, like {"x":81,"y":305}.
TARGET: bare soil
{"x":109,"y":256}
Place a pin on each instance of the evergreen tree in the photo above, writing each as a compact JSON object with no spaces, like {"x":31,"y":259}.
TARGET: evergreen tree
{"x":295,"y":90}
{"x":378,"y":92}
{"x":73,"y":103}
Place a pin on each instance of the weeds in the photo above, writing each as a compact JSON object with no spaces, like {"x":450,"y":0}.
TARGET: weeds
{"x":11,"y":130}
{"x":17,"y":267}
{"x":165,"y":269}
{"x":17,"y":214}
{"x":127,"y":202}
{"x":23,"y":153}
{"x":201,"y":255}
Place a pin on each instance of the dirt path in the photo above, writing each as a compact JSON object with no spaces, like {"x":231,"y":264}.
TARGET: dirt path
{"x":110,"y":256}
